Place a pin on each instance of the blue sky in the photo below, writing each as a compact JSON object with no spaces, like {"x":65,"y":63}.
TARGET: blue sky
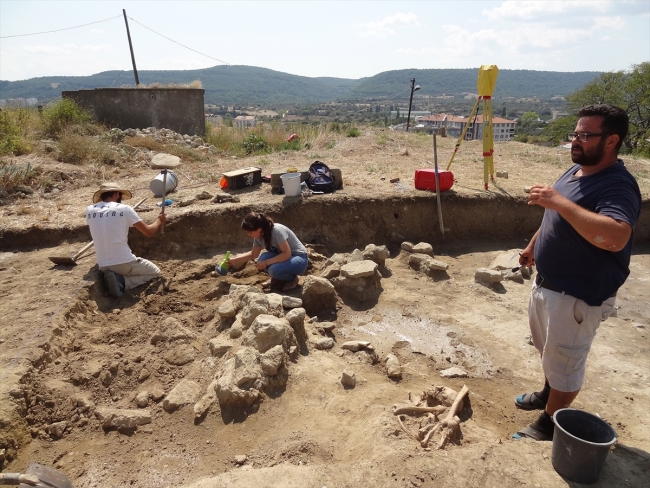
{"x":350,"y":39}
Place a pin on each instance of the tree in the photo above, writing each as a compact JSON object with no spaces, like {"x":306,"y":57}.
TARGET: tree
{"x":528,"y":123}
{"x":629,"y":90}
{"x":557,"y":129}
{"x":504,"y":112}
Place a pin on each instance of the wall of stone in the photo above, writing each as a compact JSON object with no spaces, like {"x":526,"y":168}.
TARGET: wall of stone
{"x":180,"y":110}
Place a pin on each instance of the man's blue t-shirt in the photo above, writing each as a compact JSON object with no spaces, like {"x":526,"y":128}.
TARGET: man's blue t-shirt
{"x":570,"y":262}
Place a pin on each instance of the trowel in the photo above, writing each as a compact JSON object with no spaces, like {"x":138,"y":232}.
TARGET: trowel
{"x":37,"y":475}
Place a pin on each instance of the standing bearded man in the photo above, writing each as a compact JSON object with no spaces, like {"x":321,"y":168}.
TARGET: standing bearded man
{"x":582,"y":252}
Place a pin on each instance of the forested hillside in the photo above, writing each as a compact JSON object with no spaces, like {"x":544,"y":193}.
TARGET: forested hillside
{"x":252,"y":85}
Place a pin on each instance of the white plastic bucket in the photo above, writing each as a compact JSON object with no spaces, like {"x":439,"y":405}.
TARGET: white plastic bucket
{"x":291,"y":184}
{"x":156,"y":185}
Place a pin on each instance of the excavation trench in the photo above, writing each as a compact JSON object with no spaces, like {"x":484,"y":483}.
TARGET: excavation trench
{"x":91,"y":351}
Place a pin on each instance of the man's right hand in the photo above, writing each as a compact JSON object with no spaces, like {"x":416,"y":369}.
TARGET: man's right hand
{"x":162,"y":217}
{"x":527,"y":257}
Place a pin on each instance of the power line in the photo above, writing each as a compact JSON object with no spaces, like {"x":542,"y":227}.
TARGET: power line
{"x":59,"y":30}
{"x":234,"y":65}
{"x":198,"y":52}
{"x":245,"y":69}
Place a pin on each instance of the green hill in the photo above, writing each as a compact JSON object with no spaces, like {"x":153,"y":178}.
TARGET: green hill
{"x":245,"y":85}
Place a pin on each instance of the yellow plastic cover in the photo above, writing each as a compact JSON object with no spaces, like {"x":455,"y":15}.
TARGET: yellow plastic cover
{"x":487,"y":78}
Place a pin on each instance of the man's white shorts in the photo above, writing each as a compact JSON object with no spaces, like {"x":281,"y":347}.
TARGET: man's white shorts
{"x":563,"y":329}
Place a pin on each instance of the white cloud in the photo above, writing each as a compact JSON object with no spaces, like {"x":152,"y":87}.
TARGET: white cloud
{"x":382,"y":28}
{"x":609,"y":23}
{"x":97,"y":47}
{"x":45,"y":48}
{"x":528,"y":10}
{"x":97,"y":31}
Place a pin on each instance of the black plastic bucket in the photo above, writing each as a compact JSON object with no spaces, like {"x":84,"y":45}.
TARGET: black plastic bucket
{"x":581,"y":442}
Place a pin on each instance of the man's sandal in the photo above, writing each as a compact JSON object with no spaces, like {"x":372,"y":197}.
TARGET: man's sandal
{"x":541,"y":430}
{"x":529,"y":432}
{"x":529,"y":401}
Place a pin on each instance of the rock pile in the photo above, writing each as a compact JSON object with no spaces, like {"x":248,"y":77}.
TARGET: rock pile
{"x":165,"y":136}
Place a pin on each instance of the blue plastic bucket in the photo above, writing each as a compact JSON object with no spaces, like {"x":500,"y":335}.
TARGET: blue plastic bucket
{"x":581,"y":442}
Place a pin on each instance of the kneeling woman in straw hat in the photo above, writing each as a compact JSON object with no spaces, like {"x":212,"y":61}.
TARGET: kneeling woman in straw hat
{"x":109,"y":221}
{"x":277,"y":250}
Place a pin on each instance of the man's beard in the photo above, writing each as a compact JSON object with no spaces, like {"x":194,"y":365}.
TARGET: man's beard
{"x":590,"y":158}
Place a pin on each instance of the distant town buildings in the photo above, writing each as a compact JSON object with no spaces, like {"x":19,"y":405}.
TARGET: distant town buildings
{"x":18,"y":102}
{"x":502,"y":129}
{"x":244,"y":121}
{"x":215,"y":120}
{"x":404,"y":112}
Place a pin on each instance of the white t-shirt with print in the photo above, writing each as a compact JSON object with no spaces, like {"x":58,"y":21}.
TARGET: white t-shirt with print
{"x":109,"y":224}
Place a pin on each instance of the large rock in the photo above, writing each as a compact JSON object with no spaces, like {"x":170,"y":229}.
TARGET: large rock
{"x":254,"y":304}
{"x":238,"y":292}
{"x":393,"y":368}
{"x":122,"y":418}
{"x":271,"y":360}
{"x":184,"y":393}
{"x":359,"y":269}
{"x":276,"y":304}
{"x":506,"y":260}
{"x":265,"y":332}
{"x":487,"y":276}
{"x":207,"y":400}
{"x":171,"y":330}
{"x":355,"y":346}
{"x":296,"y":319}
{"x":165,"y":161}
{"x":227,"y":309}
{"x":331,"y":271}
{"x":219,"y":346}
{"x":378,"y":254}
{"x":318,"y":295}
{"x":359,"y":281}
{"x":338,"y":258}
{"x":247,"y":367}
{"x":426,"y":264}
{"x":324,"y":343}
{"x":291,"y":302}
{"x":423,"y":248}
{"x":229,"y":393}
{"x":180,"y":355}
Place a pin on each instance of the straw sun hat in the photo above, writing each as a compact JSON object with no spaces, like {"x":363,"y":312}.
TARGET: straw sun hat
{"x":110,"y":186}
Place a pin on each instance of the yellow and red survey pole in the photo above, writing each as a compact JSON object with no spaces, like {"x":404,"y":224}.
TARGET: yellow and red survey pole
{"x":487,"y":78}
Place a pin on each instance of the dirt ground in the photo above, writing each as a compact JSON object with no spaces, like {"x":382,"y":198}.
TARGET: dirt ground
{"x":60,"y":330}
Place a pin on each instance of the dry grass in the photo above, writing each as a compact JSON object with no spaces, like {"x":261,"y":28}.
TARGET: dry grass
{"x":367,"y":162}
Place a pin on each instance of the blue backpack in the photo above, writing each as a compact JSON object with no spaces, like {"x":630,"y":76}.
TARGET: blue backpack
{"x":320,"y":178}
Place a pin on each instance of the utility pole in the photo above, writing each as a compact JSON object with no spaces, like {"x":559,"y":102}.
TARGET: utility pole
{"x":128,"y":34}
{"x":414,"y":87}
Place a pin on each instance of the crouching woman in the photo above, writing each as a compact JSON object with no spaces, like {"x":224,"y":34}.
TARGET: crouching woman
{"x":276,"y":249}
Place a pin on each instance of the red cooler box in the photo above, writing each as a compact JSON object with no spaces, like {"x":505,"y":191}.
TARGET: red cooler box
{"x":425,"y":179}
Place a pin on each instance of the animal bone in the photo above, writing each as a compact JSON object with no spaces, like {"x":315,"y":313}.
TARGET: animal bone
{"x":411,"y":410}
{"x":448,"y":431}
{"x":450,"y":422}
{"x":399,"y":419}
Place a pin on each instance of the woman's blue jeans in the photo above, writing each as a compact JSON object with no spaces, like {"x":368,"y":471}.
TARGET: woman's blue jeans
{"x":286,"y":270}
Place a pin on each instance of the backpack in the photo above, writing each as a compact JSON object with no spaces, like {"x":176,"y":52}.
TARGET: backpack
{"x":320,"y":178}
